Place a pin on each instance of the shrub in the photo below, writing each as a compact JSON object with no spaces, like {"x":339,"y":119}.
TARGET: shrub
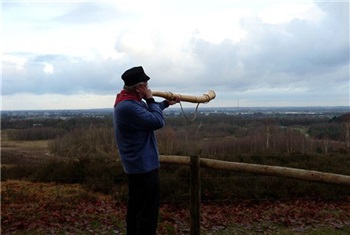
{"x":85,"y":142}
{"x":34,"y":133}
{"x":95,"y":173}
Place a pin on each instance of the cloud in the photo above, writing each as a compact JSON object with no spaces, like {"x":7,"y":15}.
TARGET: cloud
{"x":59,"y":74}
{"x":90,"y":13}
{"x":251,"y":55}
{"x":297,"y":54}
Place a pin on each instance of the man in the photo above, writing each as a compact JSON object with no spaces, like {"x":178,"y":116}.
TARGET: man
{"x":134,"y":122}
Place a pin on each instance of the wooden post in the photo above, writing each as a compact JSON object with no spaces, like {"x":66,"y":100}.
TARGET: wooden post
{"x":195,"y":195}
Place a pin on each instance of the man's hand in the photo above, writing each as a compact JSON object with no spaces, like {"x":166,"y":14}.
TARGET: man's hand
{"x":174,"y":101}
{"x":148,"y":94}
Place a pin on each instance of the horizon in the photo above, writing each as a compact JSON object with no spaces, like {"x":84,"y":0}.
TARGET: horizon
{"x":200,"y":107}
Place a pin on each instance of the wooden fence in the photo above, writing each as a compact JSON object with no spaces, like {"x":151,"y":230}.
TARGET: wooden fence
{"x":195,"y":162}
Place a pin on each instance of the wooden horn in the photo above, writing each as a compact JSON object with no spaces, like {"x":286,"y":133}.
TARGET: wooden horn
{"x":205,"y":98}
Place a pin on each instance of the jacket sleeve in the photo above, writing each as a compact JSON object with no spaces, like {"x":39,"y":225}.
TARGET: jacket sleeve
{"x":164,"y":104}
{"x":142,"y":116}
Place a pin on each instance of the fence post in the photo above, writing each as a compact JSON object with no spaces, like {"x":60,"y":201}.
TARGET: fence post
{"x":195,"y":195}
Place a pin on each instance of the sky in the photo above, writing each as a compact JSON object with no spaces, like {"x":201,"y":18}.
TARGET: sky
{"x":71,"y":54}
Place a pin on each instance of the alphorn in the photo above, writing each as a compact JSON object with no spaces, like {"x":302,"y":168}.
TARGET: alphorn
{"x":205,"y":98}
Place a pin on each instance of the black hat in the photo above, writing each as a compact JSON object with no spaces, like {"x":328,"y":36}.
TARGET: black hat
{"x":134,"y":75}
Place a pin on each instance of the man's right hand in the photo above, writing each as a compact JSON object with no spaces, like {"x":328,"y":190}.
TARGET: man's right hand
{"x":148,"y":94}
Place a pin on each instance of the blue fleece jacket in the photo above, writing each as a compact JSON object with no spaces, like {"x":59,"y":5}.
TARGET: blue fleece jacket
{"x":134,"y":124}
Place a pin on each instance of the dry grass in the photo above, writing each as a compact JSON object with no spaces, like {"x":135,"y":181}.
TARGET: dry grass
{"x":17,"y":191}
{"x":38,"y":145}
{"x":17,"y":152}
{"x":22,"y":146}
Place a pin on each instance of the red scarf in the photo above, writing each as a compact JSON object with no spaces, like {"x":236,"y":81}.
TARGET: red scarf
{"x":124,"y":95}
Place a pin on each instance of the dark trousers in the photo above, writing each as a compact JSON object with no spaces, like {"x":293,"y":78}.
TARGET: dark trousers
{"x":143,"y":203}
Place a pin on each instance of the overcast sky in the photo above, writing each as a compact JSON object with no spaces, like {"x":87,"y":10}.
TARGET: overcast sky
{"x":71,"y":54}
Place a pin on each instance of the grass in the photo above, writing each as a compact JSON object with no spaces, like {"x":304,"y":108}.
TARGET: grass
{"x":22,"y":145}
{"x":16,"y":191}
{"x":14,"y":152}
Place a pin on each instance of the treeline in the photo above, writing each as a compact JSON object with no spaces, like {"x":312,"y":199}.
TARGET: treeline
{"x":216,"y":135}
{"x":56,"y":123}
{"x":225,"y":135}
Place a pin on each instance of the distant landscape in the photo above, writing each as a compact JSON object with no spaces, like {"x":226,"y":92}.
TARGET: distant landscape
{"x":60,"y":158}
{"x":314,"y":110}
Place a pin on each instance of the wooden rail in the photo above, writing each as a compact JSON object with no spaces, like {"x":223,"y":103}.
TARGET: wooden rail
{"x":286,"y":172}
{"x":195,"y":162}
